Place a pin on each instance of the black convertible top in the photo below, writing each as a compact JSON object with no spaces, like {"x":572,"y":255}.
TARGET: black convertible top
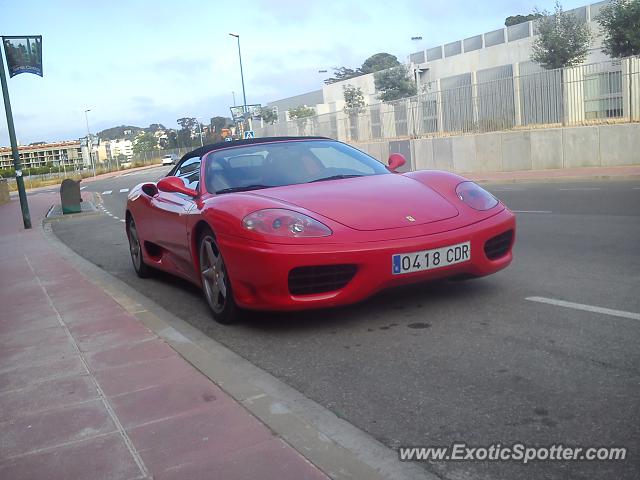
{"x":200,"y":151}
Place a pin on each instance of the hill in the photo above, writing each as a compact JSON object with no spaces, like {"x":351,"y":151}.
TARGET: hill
{"x":115,"y":133}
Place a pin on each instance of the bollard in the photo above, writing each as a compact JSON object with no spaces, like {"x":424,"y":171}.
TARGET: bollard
{"x":4,"y":191}
{"x":70,"y":197}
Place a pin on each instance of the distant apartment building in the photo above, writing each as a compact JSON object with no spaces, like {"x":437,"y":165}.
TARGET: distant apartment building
{"x":105,"y":151}
{"x":64,"y":154}
{"x":120,"y":147}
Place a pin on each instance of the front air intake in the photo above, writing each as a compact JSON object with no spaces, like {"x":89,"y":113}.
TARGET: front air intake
{"x":320,"y":278}
{"x":499,"y":245}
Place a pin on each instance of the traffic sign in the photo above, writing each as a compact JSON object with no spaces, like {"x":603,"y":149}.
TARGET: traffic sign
{"x":228,"y":139}
{"x":249,"y":134}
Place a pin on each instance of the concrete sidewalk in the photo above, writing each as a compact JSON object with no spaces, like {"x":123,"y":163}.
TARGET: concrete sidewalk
{"x":87,"y":391}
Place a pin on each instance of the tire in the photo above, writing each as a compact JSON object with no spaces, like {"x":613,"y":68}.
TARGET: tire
{"x":135,"y":249}
{"x":215,"y":281}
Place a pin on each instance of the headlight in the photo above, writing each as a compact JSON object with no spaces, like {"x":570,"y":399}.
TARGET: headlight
{"x":475,"y":196}
{"x":285,"y":223}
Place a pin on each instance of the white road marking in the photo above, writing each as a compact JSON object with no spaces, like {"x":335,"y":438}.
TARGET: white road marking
{"x":586,"y":308}
{"x":82,"y":188}
{"x":124,"y":190}
{"x":122,"y":220}
{"x":579,"y":189}
{"x":636,"y":188}
{"x":107,"y":192}
{"x":531,"y":211}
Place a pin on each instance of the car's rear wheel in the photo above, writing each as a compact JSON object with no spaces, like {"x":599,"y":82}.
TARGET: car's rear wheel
{"x":215,"y":281}
{"x":135,"y":248}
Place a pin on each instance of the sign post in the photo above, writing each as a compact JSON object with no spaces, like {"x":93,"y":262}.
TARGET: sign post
{"x":24,"y":55}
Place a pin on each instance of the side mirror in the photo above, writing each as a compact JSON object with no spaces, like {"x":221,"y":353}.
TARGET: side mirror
{"x":175,"y":185}
{"x":150,"y":189}
{"x":396,"y":160}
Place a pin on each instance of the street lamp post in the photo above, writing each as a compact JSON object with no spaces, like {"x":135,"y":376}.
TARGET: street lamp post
{"x":244,"y":95}
{"x":416,"y":71}
{"x":93,"y":165}
{"x":200,"y":130}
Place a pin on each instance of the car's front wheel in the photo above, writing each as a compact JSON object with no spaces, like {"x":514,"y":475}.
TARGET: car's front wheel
{"x":215,"y":281}
{"x":135,"y":248}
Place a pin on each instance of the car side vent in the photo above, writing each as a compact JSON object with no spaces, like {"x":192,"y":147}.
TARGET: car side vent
{"x":499,"y":245}
{"x":320,"y":278}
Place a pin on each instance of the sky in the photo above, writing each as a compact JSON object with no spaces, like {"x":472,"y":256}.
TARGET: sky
{"x":141,"y":62}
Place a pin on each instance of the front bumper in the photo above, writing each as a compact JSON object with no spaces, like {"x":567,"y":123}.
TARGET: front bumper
{"x":259,"y":272}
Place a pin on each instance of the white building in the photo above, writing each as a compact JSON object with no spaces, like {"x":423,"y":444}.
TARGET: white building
{"x":486,"y":55}
{"x":121,"y":147}
{"x":481,"y":83}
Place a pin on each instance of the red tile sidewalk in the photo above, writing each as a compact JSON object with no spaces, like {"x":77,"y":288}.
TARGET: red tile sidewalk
{"x":87,"y":391}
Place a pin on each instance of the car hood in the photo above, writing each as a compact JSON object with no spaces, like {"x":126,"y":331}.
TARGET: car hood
{"x":374,"y":202}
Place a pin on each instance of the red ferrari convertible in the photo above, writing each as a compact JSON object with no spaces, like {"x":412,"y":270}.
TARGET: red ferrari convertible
{"x":294,"y":223}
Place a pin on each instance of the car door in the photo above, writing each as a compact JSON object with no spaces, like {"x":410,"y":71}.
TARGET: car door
{"x":170,"y":212}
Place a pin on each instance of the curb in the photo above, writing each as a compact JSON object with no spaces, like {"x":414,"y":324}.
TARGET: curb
{"x":593,"y":178}
{"x":338,"y":448}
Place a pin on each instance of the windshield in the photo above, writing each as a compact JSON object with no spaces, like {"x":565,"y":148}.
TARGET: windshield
{"x":286,"y":163}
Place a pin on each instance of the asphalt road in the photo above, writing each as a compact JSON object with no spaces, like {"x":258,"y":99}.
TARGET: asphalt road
{"x":468,"y":361}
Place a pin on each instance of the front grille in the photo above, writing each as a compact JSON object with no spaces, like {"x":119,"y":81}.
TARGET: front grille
{"x":319,"y":278}
{"x":499,"y":245}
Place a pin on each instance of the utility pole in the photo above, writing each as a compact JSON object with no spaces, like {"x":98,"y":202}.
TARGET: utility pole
{"x":244,"y":95}
{"x":24,"y":205}
{"x":89,"y":146}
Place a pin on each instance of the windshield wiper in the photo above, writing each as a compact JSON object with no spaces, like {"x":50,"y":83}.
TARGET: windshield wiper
{"x":334,"y":177}
{"x":244,"y":188}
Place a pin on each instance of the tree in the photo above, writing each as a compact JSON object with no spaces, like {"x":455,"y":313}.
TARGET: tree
{"x":269,"y":115}
{"x":516,"y":19}
{"x":394,"y":83}
{"x":342,"y":73}
{"x":183,"y":138}
{"x":218,"y":123}
{"x":353,"y":99}
{"x":563,"y":40}
{"x":301,"y":114}
{"x":187,"y":123}
{"x":620,"y":22}
{"x":375,"y":63}
{"x":379,"y":61}
{"x":154,"y":127}
{"x":172,"y":139}
{"x":144,"y":141}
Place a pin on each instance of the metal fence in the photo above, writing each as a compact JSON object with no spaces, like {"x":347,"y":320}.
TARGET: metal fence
{"x":155,"y":156}
{"x":502,"y":98}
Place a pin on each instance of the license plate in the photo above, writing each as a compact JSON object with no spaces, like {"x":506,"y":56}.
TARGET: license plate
{"x":430,"y":259}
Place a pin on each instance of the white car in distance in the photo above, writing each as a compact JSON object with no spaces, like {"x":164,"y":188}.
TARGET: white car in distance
{"x":170,"y":159}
